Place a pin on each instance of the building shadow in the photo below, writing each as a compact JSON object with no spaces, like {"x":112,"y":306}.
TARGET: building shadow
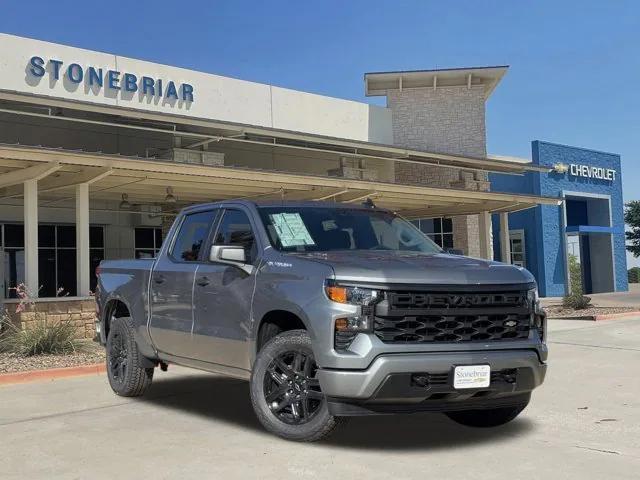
{"x":221,"y":399}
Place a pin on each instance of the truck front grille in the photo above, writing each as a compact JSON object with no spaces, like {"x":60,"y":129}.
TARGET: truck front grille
{"x":417,"y":317}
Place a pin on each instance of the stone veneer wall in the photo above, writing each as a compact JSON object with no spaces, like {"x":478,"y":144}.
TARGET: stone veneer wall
{"x":81,"y":312}
{"x":445,"y":120}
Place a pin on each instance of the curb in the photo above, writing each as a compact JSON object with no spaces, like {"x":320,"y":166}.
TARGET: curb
{"x":598,"y":318}
{"x":52,"y":373}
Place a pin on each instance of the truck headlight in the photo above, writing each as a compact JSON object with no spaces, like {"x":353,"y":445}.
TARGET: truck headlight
{"x":534,"y":300}
{"x":538,"y":316}
{"x":350,"y":295}
{"x":346,"y":328}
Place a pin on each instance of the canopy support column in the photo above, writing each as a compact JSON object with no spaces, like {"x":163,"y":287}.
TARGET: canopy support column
{"x":505,"y":240}
{"x":31,"y":236}
{"x":82,"y":240}
{"x":484,"y":227}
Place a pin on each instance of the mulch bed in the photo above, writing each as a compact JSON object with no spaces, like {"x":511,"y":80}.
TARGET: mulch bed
{"x":558,"y":311}
{"x":10,"y":362}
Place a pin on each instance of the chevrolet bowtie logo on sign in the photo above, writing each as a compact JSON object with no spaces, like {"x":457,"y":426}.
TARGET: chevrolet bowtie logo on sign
{"x":561,"y":168}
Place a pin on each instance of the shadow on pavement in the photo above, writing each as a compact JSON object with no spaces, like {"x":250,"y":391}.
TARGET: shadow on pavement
{"x":227,"y":400}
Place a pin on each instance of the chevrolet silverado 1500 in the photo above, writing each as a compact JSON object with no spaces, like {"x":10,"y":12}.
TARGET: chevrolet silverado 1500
{"x":329,"y":311}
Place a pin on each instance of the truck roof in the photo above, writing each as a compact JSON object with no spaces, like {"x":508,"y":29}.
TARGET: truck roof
{"x":283,"y":203}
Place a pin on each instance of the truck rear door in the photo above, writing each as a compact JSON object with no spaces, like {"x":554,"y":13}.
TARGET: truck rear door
{"x":172,"y":282}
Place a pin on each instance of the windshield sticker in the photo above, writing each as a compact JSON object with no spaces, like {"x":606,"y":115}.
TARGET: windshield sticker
{"x":291,"y":230}
{"x":329,"y":225}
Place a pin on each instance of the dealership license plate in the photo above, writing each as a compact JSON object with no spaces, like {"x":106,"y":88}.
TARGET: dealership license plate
{"x":471,"y":376}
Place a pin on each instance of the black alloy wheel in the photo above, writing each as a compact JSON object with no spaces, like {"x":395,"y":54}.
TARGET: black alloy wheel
{"x":126,"y":377}
{"x":291,"y":388}
{"x":285,"y":389}
{"x":118,"y":358}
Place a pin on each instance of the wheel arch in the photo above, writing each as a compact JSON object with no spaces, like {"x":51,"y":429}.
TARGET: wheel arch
{"x":283,"y":320}
{"x":115,"y":307}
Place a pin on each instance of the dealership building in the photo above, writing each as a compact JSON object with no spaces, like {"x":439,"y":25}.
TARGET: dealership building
{"x":588,"y":228}
{"x":98,"y":152}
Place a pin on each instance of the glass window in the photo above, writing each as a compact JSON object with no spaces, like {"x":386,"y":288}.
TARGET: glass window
{"x":148,"y":241}
{"x":192,"y":235}
{"x":440,"y":230}
{"x":235,"y":229}
{"x":66,"y":236}
{"x":96,"y":237}
{"x":56,"y":258}
{"x":305,"y":229}
{"x":13,"y":235}
{"x":46,"y":236}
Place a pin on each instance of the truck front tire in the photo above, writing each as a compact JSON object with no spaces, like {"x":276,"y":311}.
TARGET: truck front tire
{"x":486,"y":418}
{"x":285,"y":392}
{"x":126,"y":377}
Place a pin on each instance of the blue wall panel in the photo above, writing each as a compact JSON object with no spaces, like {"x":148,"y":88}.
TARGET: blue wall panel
{"x":544,"y":235}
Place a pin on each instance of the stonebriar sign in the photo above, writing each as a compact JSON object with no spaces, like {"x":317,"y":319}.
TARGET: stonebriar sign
{"x":97,"y":77}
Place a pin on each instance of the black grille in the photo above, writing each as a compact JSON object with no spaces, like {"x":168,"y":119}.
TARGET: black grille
{"x":421,"y":300}
{"x":415,"y":317}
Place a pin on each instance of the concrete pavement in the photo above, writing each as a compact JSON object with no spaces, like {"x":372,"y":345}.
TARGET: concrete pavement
{"x":613,"y":299}
{"x":583,"y":423}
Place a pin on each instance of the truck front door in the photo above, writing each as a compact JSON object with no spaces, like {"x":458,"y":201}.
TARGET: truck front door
{"x":222,"y":297}
{"x":172,"y":285}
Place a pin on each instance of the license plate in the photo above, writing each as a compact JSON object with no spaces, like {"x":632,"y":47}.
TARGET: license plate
{"x":471,"y":376}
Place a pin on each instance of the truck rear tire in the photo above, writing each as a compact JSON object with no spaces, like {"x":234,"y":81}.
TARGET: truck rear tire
{"x":285,"y":392}
{"x":126,"y":377}
{"x":486,"y":418}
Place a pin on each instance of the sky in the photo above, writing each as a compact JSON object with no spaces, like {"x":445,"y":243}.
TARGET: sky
{"x":574,"y":74}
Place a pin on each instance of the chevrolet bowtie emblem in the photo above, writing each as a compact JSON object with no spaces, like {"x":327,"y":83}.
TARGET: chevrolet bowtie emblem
{"x":561,"y":168}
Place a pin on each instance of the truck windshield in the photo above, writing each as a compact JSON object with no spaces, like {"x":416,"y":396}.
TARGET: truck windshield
{"x":322,"y":229}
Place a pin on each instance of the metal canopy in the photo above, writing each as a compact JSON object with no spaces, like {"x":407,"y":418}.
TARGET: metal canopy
{"x":145,"y":182}
{"x":201,"y":132}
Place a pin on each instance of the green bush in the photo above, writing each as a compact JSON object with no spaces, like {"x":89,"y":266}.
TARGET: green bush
{"x":633,"y":274}
{"x":576,"y":299}
{"x":41,"y":338}
{"x":576,"y":302}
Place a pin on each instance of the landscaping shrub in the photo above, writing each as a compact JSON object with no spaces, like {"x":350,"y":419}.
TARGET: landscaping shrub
{"x":576,"y":299}
{"x":41,"y":336}
{"x":576,"y":302}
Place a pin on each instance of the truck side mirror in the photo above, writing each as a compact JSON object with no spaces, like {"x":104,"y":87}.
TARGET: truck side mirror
{"x":230,"y":254}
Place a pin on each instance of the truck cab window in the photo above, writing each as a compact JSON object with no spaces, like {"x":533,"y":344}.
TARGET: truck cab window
{"x":193,"y":233}
{"x":235,"y":229}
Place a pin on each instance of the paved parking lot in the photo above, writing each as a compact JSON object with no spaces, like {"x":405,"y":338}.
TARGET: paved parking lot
{"x":583,"y":423}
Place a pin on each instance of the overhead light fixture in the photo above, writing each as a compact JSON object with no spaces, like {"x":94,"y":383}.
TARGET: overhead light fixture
{"x":170,"y":198}
{"x":124,"y":204}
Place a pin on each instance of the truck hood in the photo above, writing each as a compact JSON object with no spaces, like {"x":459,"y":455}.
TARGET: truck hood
{"x":388,"y":267}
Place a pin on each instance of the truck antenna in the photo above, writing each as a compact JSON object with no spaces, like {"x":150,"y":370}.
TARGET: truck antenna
{"x":369,"y":203}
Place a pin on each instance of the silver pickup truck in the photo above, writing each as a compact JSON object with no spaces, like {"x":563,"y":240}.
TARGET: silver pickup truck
{"x":329,"y":311}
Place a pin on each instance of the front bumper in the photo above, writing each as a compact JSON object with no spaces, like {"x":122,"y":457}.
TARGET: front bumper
{"x":388,"y":384}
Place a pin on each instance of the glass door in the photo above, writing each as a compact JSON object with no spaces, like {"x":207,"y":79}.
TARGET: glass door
{"x":518,"y":257}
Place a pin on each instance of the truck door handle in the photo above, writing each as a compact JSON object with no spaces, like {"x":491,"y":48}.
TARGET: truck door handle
{"x":203,"y":281}
{"x":158,"y":279}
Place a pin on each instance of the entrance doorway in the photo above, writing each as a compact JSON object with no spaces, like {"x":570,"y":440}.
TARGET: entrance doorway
{"x":589,"y":244}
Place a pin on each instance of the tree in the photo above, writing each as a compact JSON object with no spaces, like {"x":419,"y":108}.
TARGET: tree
{"x":632,"y":219}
